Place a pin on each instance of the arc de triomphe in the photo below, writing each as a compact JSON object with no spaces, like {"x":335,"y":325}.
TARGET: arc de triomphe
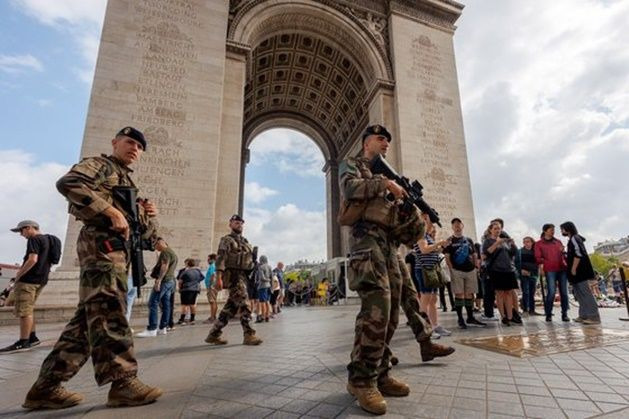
{"x":202,"y":78}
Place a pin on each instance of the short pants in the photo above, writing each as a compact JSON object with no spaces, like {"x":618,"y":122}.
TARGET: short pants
{"x":25,"y":298}
{"x":264,"y":294}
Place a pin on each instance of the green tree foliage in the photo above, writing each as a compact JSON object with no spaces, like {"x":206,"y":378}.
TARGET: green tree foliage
{"x":603,"y":264}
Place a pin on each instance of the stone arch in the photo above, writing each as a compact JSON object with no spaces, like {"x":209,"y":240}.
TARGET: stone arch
{"x":295,"y":122}
{"x":256,"y":20}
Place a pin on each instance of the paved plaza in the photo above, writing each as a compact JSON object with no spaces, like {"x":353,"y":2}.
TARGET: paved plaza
{"x":299,"y":371}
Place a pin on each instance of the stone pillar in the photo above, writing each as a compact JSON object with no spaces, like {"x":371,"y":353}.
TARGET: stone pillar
{"x":229,"y":185}
{"x":331,"y":170}
{"x":427,"y":104}
{"x":161,"y":68}
{"x":382,"y":111}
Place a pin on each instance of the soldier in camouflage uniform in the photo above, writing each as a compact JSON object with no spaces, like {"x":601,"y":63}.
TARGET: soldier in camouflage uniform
{"x":234,"y":263}
{"x":99,"y":328}
{"x":374,"y":272}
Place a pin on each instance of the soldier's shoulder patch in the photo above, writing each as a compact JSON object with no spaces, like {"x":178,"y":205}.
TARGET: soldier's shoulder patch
{"x":349,"y":166}
{"x":94,"y":167}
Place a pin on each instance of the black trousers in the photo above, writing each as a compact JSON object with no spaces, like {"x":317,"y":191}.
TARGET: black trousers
{"x":442,"y":296}
{"x":489,"y":296}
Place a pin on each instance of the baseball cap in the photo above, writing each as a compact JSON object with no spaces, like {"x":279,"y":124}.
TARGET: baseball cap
{"x":25,"y":223}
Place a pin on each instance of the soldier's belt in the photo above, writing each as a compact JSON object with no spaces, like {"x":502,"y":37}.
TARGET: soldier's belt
{"x":111,"y":245}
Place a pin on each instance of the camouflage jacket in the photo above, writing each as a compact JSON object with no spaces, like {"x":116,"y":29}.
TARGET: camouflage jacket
{"x":88,"y":188}
{"x":234,"y":252}
{"x":357,"y":183}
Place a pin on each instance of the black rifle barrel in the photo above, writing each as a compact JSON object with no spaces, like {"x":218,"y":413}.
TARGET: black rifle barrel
{"x":379,"y":166}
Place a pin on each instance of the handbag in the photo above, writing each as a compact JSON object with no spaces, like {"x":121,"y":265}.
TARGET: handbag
{"x":433,"y":277}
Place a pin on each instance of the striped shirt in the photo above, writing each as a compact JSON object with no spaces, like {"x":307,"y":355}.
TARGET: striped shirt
{"x":426,"y":260}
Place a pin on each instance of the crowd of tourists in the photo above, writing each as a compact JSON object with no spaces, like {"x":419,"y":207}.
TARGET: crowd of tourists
{"x":498,"y":274}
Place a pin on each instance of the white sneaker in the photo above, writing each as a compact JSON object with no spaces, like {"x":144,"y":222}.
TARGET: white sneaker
{"x":147,"y":334}
{"x":435,"y":335}
{"x":441,"y":331}
{"x":488,"y":319}
{"x":162,"y":332}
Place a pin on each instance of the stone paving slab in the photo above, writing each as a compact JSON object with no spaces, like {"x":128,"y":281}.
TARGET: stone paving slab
{"x":299,"y":371}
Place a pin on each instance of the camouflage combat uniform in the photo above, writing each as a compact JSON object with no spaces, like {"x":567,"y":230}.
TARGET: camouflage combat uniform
{"x":234,"y":253}
{"x":374,"y":272}
{"x":99,"y":327}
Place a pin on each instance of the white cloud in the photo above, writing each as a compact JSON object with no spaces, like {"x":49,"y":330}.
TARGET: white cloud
{"x":289,"y":151}
{"x":83,"y":19}
{"x":545,"y":95}
{"x":287,"y":234}
{"x":256,"y":193}
{"x":44,"y":103}
{"x":29,"y":192}
{"x":19,"y":63}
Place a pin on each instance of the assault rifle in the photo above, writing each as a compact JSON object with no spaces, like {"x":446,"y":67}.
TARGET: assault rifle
{"x":414,"y":189}
{"x":127,"y":198}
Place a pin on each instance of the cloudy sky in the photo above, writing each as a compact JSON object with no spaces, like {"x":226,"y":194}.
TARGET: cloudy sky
{"x":544,"y":90}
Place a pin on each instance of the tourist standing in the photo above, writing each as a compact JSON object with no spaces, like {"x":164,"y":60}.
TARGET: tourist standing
{"x":427,"y":257}
{"x":210,"y":286}
{"x":42,"y":251}
{"x":580,"y":271}
{"x":278,"y":271}
{"x":264,"y":280}
{"x":528,"y":272}
{"x":163,"y":288}
{"x":549,"y":255}
{"x":500,"y":270}
{"x":461,"y":259}
{"x":189,"y":288}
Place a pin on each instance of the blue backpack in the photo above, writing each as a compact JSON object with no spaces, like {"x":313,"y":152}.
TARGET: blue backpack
{"x":462,"y":252}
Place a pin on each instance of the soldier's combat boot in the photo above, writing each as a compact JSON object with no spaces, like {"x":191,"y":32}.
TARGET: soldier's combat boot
{"x":430,"y":350}
{"x":50,"y":395}
{"x":389,"y":386}
{"x":251,"y":339}
{"x":369,"y":398}
{"x":215,"y":340}
{"x":131,"y":392}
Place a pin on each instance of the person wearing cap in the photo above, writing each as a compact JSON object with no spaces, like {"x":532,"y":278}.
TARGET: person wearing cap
{"x":461,"y":259}
{"x":30,"y":280}
{"x":99,"y":327}
{"x":374,"y":272}
{"x":234,"y":263}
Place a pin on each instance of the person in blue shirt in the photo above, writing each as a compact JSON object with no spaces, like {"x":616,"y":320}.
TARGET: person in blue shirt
{"x":210,"y":285}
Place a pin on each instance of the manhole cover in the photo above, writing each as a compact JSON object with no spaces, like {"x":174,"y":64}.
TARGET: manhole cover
{"x":549,"y":342}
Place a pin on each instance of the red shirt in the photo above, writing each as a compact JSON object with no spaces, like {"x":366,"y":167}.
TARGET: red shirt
{"x":550,"y":254}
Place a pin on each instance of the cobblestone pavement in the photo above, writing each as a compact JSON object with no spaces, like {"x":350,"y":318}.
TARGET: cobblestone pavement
{"x":299,"y":371}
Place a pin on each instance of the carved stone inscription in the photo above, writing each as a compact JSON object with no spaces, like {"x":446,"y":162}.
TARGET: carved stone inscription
{"x":162,"y":95}
{"x":436,"y":137}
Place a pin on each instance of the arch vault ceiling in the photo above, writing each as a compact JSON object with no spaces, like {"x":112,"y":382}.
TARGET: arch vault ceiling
{"x":303,"y":75}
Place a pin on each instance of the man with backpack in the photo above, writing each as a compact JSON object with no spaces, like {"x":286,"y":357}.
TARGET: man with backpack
{"x":42,"y":251}
{"x":461,"y":259}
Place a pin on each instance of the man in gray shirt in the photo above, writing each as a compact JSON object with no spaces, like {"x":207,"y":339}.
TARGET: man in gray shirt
{"x":264,"y":278}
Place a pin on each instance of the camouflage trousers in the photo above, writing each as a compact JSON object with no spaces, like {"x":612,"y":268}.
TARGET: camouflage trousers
{"x":235,"y":282}
{"x":417,"y":320}
{"x":99,"y":327}
{"x":375,"y":275}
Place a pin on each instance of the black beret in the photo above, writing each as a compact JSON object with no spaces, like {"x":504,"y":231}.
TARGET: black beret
{"x":236,"y":217}
{"x":376,"y":130}
{"x":135,"y":134}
